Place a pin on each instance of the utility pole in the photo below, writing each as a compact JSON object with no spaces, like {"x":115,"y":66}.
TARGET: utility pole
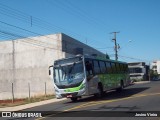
{"x":31,"y":20}
{"x":149,"y":72}
{"x":86,"y":41}
{"x":115,"y":45}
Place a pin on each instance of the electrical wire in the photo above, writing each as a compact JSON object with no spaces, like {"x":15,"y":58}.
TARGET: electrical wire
{"x":10,"y":12}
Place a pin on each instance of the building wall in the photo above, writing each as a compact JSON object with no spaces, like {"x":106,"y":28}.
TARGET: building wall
{"x":156,"y":66}
{"x":138,"y":71}
{"x":25,"y":62}
{"x":70,"y":45}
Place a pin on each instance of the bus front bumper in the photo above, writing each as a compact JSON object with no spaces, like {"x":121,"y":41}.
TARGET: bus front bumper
{"x":63,"y":94}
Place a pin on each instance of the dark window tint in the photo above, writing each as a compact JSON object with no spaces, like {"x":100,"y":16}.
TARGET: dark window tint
{"x":113,"y":67}
{"x":135,"y":70}
{"x":89,"y":67}
{"x":126,"y":68}
{"x":118,"y":68}
{"x":102,"y":66}
{"x":109,"y":69}
{"x":96,"y":67}
{"x":121,"y":67}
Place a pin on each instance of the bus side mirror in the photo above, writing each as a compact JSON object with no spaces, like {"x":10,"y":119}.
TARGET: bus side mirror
{"x":49,"y":72}
{"x":50,"y":69}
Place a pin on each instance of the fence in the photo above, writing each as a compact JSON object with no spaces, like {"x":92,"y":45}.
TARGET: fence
{"x":26,"y":90}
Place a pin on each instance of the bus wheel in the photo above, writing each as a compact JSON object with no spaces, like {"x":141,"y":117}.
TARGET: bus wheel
{"x":121,"y":87}
{"x":74,"y":99}
{"x":101,"y":92}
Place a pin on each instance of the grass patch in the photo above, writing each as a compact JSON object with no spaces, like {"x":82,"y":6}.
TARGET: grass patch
{"x":16,"y":102}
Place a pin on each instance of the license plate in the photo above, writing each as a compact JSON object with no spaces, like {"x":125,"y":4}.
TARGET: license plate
{"x":68,"y":96}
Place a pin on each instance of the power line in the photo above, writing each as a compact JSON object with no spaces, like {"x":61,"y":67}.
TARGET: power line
{"x":22,"y":29}
{"x":36,"y":21}
{"x":76,"y":11}
{"x":84,"y":14}
{"x":133,"y":58}
{"x":32,"y":41}
{"x":10,"y":12}
{"x":105,"y":48}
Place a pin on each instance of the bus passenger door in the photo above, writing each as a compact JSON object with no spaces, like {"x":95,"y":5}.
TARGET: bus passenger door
{"x":91,"y":78}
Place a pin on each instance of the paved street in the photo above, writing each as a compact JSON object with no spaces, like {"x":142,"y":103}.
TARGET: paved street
{"x":138,"y":97}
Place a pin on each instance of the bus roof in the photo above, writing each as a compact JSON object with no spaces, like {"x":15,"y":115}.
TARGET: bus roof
{"x":91,"y":57}
{"x":103,"y":58}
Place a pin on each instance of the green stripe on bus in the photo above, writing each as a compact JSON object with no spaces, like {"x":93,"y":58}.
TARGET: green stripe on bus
{"x":75,"y":89}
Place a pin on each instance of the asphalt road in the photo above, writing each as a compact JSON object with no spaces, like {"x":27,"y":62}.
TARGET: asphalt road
{"x":137,"y":99}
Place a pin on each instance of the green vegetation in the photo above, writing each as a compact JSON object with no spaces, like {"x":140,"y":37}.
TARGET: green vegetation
{"x":154,"y":74}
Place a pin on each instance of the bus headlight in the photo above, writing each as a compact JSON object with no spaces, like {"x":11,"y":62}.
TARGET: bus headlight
{"x":56,"y":90}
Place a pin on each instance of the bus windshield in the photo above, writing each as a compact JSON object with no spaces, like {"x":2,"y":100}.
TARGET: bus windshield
{"x":69,"y":75}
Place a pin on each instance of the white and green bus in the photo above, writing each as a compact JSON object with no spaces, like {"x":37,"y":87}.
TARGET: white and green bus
{"x":85,"y":75}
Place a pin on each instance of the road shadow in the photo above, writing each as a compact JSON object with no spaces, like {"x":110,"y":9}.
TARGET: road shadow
{"x":110,"y":95}
{"x":115,"y":108}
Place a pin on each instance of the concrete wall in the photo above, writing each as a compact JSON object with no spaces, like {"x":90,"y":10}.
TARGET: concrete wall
{"x":25,"y":62}
{"x":156,"y":66}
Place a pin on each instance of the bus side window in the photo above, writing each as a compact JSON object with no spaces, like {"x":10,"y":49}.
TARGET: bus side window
{"x":113,"y":67}
{"x":96,"y":67}
{"x":89,"y":68}
{"x":118,"y":67}
{"x":109,"y":69}
{"x":122,"y":68}
{"x":126,"y":68}
{"x":102,"y":66}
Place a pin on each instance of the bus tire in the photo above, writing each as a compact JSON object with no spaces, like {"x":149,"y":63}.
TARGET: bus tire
{"x":74,"y":99}
{"x":101,"y":92}
{"x":121,"y":86}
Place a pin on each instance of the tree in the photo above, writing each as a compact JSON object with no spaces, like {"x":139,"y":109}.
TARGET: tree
{"x":153,"y":74}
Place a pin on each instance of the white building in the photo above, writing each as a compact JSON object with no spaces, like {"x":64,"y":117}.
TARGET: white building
{"x":156,"y":66}
{"x":138,"y":71}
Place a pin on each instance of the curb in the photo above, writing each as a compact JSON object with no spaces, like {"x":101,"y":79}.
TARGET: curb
{"x":30,"y":105}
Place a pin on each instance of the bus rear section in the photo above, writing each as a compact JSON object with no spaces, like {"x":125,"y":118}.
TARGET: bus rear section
{"x":105,"y":75}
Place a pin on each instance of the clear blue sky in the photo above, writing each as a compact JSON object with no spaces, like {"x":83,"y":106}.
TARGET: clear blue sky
{"x":92,"y":21}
